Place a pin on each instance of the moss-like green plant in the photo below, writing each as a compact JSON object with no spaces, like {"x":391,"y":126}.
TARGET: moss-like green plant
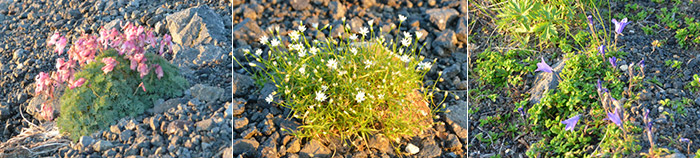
{"x":107,"y":97}
{"x":349,"y":87}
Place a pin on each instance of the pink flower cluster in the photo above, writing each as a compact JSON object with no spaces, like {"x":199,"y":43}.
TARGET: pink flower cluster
{"x":132,"y":43}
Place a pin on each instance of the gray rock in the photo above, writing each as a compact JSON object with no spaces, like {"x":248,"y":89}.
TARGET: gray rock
{"x":381,"y":143}
{"x":227,"y":152}
{"x":444,"y":44}
{"x":238,"y":108}
{"x":314,"y":148}
{"x":248,"y":31}
{"x":185,"y":56}
{"x":337,"y":10}
{"x":252,"y":131}
{"x":195,"y":26}
{"x":205,"y":125}
{"x":545,"y":82}
{"x":458,"y":115}
{"x":244,"y":145}
{"x":207,"y":93}
{"x":102,"y":145}
{"x":110,"y":153}
{"x":452,"y":143}
{"x":85,"y":141}
{"x":126,"y":135}
{"x":266,"y":90}
{"x":268,"y":127}
{"x":430,"y":149}
{"x":241,"y":84}
{"x":240,"y":123}
{"x":157,"y":140}
{"x":294,"y":146}
{"x":154,"y":122}
{"x":676,"y":154}
{"x":5,"y":110}
{"x":356,"y":24}
{"x":249,"y":12}
{"x":461,"y":29}
{"x":170,"y":103}
{"x":440,"y":17}
{"x":269,"y":148}
{"x":412,"y":149}
{"x":286,"y":125}
{"x":115,"y":129}
{"x":18,"y":54}
{"x":34,"y":106}
{"x":451,"y":72}
{"x":300,"y":4}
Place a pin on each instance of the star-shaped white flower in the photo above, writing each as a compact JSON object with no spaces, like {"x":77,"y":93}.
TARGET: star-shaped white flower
{"x":275,"y":42}
{"x":360,"y":97}
{"x":364,"y":31}
{"x":332,"y":64}
{"x":402,"y":18}
{"x":294,"y":36}
{"x":406,"y":42}
{"x":263,"y":40}
{"x":320,"y":96}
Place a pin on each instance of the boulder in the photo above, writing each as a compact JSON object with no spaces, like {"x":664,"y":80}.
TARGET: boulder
{"x":445,"y":43}
{"x":440,"y":17}
{"x":195,"y":26}
{"x":315,"y":148}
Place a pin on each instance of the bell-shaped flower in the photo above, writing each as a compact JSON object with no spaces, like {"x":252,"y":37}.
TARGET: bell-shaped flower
{"x":143,"y":69}
{"x":615,"y":118}
{"x":542,"y":66}
{"x":43,"y":82}
{"x":47,"y":111}
{"x":76,"y":83}
{"x":619,"y":26}
{"x":601,"y":50}
{"x":613,"y":61}
{"x":109,"y":64}
{"x":571,"y":122}
{"x":159,"y":71}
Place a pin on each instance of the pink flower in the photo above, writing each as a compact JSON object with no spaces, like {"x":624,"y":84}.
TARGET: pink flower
{"x":143,"y":69}
{"x":65,"y":70}
{"x":159,"y":71}
{"x":72,"y":84}
{"x":137,"y":59}
{"x":151,"y":39}
{"x":142,"y":86}
{"x":109,"y":64}
{"x":60,"y":45}
{"x":164,"y":42}
{"x":47,"y":111}
{"x":43,"y":82}
{"x":53,"y":38}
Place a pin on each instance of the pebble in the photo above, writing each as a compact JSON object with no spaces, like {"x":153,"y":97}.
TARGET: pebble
{"x":412,"y":149}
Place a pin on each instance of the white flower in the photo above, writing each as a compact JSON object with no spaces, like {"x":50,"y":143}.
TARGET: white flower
{"x":277,"y":28}
{"x":364,"y":31}
{"x":406,"y":42}
{"x":320,"y":97}
{"x":246,"y":50}
{"x":402,"y":18}
{"x":302,"y":52}
{"x":360,"y":97}
{"x":353,"y":37}
{"x":370,"y":22}
{"x":406,"y":34}
{"x":405,"y":58}
{"x":381,"y":96}
{"x":400,"y":50}
{"x":354,"y":51}
{"x":341,"y":73}
{"x":324,"y":87}
{"x":294,"y":35}
{"x":315,"y":25}
{"x":258,"y":52}
{"x":275,"y":42}
{"x":269,"y":98}
{"x":302,"y":69}
{"x":314,"y":50}
{"x":418,"y":34}
{"x":332,"y":64}
{"x":424,"y":65}
{"x":263,"y":40}
{"x":302,"y":28}
{"x":368,"y":63}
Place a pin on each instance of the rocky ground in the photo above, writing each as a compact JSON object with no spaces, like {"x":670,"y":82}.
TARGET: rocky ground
{"x":667,"y":127}
{"x":197,"y":124}
{"x":257,"y":125}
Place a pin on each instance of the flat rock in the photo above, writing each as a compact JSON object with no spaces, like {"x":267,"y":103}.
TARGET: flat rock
{"x":300,"y":4}
{"x":162,"y":107}
{"x":294,"y":146}
{"x":185,"y":56}
{"x":196,"y":26}
{"x":248,"y":30}
{"x":430,"y":149}
{"x":337,"y":9}
{"x":250,"y":132}
{"x":205,"y":125}
{"x":445,"y":43}
{"x":545,"y":82}
{"x":452,"y":143}
{"x":314,"y":148}
{"x":240,"y":123}
{"x":380,"y":143}
{"x":461,"y":29}
{"x":244,"y":145}
{"x":412,"y":149}
{"x":206,"y":93}
{"x":440,"y":17}
{"x":241,"y":84}
{"x":85,"y":141}
{"x":102,"y":145}
{"x":458,"y":114}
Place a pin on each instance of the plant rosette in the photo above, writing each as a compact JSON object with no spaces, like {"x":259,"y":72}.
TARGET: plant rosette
{"x":349,"y":87}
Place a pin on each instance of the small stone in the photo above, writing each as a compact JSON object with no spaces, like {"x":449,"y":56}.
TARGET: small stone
{"x":300,"y":5}
{"x":314,"y":148}
{"x":440,"y":17}
{"x":430,"y":149}
{"x":337,"y":10}
{"x":452,"y":143}
{"x":444,"y":44}
{"x":126,"y":135}
{"x":5,"y":110}
{"x":227,"y":152}
{"x":623,"y":68}
{"x":294,"y":146}
{"x":451,"y":72}
{"x":240,"y":123}
{"x":102,"y":145}
{"x":85,"y":141}
{"x":205,"y":125}
{"x":412,"y":149}
{"x":244,"y":145}
{"x":206,"y":93}
{"x":252,"y":131}
{"x":115,"y":129}
{"x":241,"y":84}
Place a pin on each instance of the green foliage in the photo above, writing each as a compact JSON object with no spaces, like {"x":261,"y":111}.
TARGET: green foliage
{"x":673,"y":64}
{"x":105,"y":98}
{"x":667,"y":17}
{"x":521,"y":19}
{"x":500,"y":69}
{"x":697,"y":154}
{"x":691,"y":33}
{"x":650,"y":30}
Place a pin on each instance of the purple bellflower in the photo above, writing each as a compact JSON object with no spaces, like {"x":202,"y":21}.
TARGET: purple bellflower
{"x":590,"y":20}
{"x":684,"y":139}
{"x":619,"y":26}
{"x":641,"y":63}
{"x":571,"y":122}
{"x":542,"y":66}
{"x":599,"y":86}
{"x":613,"y":61}
{"x":601,"y":50}
{"x":615,"y":118}
{"x":522,"y":112}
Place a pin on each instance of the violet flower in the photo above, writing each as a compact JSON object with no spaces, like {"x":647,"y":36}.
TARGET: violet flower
{"x":615,"y":118}
{"x":599,"y":86}
{"x":641,"y":63}
{"x":619,"y":26}
{"x":522,"y":112}
{"x":684,"y":139}
{"x":613,"y":61}
{"x":571,"y":122}
{"x":542,"y":66}
{"x":601,"y":50}
{"x":590,"y":20}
